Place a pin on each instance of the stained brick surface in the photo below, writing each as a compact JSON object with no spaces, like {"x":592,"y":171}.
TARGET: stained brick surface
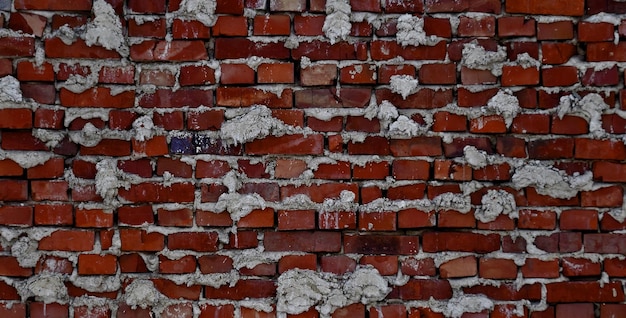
{"x":181,"y":158}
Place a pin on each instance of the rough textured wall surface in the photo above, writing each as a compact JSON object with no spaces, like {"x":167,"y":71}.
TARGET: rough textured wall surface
{"x":294,"y":158}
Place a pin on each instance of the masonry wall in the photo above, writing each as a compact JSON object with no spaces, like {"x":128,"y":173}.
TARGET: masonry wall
{"x":294,"y":158}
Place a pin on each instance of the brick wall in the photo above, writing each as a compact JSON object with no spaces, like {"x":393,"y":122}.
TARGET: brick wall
{"x":294,"y":158}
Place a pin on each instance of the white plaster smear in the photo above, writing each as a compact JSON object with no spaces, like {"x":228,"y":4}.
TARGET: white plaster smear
{"x":298,"y":290}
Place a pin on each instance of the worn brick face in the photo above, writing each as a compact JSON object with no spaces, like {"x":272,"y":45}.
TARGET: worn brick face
{"x":248,"y":139}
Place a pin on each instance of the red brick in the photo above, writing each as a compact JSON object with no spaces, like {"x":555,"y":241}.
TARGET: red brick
{"x":289,"y":144}
{"x":296,"y":219}
{"x":557,"y":53}
{"x":11,"y":267}
{"x":470,"y":27}
{"x":422,"y":289}
{"x":492,"y":124}
{"x":551,"y":148}
{"x":531,"y":124}
{"x":411,"y":170}
{"x":559,"y":76}
{"x":210,"y":264}
{"x":49,"y":190}
{"x":178,"y":50}
{"x":93,"y":264}
{"x":97,"y":97}
{"x":371,"y":170}
{"x":230,"y":26}
{"x":463,"y":242}
{"x":558,"y":7}
{"x":196,"y":75}
{"x":612,"y":310}
{"x":52,"y":310}
{"x":51,"y":169}
{"x":516,"y":26}
{"x":157,"y":77}
{"x":377,"y":221}
{"x":579,"y":220}
{"x":10,"y":168}
{"x":536,"y":268}
{"x":494,"y":268}
{"x":143,"y":7}
{"x":79,"y":5}
{"x":573,"y":292}
{"x":177,"y":217}
{"x":188,"y":97}
{"x":286,"y":5}
{"x":377,"y":244}
{"x":251,"y":288}
{"x":449,"y":122}
{"x":68,"y":240}
{"x":190,"y":30}
{"x":28,"y":23}
{"x":234,"y":48}
{"x":518,"y":76}
{"x":28,"y":71}
{"x":580,"y":267}
{"x":135,"y":215}
{"x":155,"y":29}
{"x":489,"y":6}
{"x":605,"y":77}
{"x":595,"y":32}
{"x":611,"y":196}
{"x":609,"y":171}
{"x":248,"y":96}
{"x":140,"y":240}
{"x":418,"y":267}
{"x":277,"y":24}
{"x":303,"y":241}
{"x":209,"y":311}
{"x":459,"y":267}
{"x":176,"y":291}
{"x":438,"y":74}
{"x":322,"y":74}
{"x":153,"y":192}
{"x":336,"y":220}
{"x":606,"y":51}
{"x":269,"y":73}
{"x":559,"y":30}
{"x":185,"y":264}
{"x":599,"y":149}
{"x":337,"y":264}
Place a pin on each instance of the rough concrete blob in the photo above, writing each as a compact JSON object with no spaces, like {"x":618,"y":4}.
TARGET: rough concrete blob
{"x":505,"y":105}
{"x":345,"y":202}
{"x":299,"y":290}
{"x":144,"y":128}
{"x":106,"y":29}
{"x":10,"y":90}
{"x":411,"y":31}
{"x":457,"y":306}
{"x":494,"y":204}
{"x":453,"y":201}
{"x":47,"y":288}
{"x":476,"y":57}
{"x":239,"y":205}
{"x":404,"y":85}
{"x":109,"y":179}
{"x":257,"y":122}
{"x":477,"y":159}
{"x":404,"y":127}
{"x":589,"y":107}
{"x":551,"y":181}
{"x":142,"y":293}
{"x":337,"y":24}
{"x":89,"y":136}
{"x":200,"y":10}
